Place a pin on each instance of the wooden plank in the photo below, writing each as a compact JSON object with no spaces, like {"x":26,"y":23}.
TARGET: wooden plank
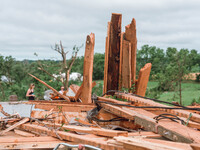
{"x":59,"y":117}
{"x":31,"y":145}
{"x":143,"y":79}
{"x":14,"y":126}
{"x":126,"y":65}
{"x":71,"y":137}
{"x":120,"y":61}
{"x":167,"y":128}
{"x":141,"y":144}
{"x":86,"y":92}
{"x":106,"y":59}
{"x":23,"y":133}
{"x":113,"y":100}
{"x":65,"y":108}
{"x":117,"y":111}
{"x":54,"y":90}
{"x":90,"y":130}
{"x":114,"y":52}
{"x":27,"y":140}
{"x":146,"y":134}
{"x":170,"y":143}
{"x":146,"y":102}
{"x":195,"y":146}
{"x":130,"y":35}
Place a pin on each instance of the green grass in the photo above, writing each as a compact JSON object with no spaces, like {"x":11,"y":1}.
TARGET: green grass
{"x":190,"y":93}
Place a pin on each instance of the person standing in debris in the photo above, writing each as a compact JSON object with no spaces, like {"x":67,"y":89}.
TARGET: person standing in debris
{"x":62,"y":90}
{"x":30,"y":92}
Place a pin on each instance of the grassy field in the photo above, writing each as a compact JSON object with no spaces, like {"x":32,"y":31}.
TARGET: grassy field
{"x":190,"y":92}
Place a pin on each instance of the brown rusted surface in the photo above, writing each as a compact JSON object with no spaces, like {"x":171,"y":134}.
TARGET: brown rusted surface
{"x":143,"y":80}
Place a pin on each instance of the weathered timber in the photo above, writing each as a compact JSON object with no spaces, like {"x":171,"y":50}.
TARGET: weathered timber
{"x":113,"y":52}
{"x":106,"y":59}
{"x":14,"y":126}
{"x":130,"y":35}
{"x":112,"y":100}
{"x":61,"y":95}
{"x":23,"y":133}
{"x":30,"y":145}
{"x":143,"y":79}
{"x":126,"y":65}
{"x":178,"y":145}
{"x":86,"y":91}
{"x":120,"y":61}
{"x":117,"y":111}
{"x":90,"y":130}
{"x":65,"y":108}
{"x":146,"y":102}
{"x":26,"y":140}
{"x":146,"y":134}
{"x":157,"y":111}
{"x":167,"y":128}
{"x":59,"y":117}
{"x":195,"y":146}
{"x":141,"y":144}
{"x":71,"y":137}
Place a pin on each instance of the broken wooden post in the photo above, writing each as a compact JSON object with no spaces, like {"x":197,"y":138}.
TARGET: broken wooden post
{"x":143,"y":79}
{"x":86,"y":91}
{"x":126,"y":65}
{"x":14,"y":126}
{"x":130,"y":35}
{"x":112,"y":53}
{"x":61,"y":95}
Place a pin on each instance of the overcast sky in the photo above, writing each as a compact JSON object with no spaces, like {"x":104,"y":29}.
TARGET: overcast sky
{"x":33,"y":26}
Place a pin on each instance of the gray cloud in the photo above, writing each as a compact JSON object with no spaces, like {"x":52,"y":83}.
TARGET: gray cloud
{"x":28,"y":26}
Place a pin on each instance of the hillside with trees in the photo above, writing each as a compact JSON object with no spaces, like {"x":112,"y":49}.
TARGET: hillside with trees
{"x":169,"y":68}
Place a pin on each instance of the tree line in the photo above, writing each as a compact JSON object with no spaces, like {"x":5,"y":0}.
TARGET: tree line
{"x":168,"y":68}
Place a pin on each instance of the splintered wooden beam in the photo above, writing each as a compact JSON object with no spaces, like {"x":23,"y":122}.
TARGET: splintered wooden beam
{"x":167,"y":128}
{"x":62,"y":96}
{"x":146,"y":102}
{"x":112,"y":54}
{"x":90,"y":130}
{"x":130,"y":35}
{"x":142,"y":144}
{"x":143,"y":79}
{"x":65,"y":108}
{"x":23,"y":133}
{"x":106,"y":59}
{"x":98,"y":142}
{"x":86,"y":91}
{"x":14,"y":126}
{"x":126,"y":65}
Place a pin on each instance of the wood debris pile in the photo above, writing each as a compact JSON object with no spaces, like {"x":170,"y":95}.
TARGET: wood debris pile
{"x":113,"y":121}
